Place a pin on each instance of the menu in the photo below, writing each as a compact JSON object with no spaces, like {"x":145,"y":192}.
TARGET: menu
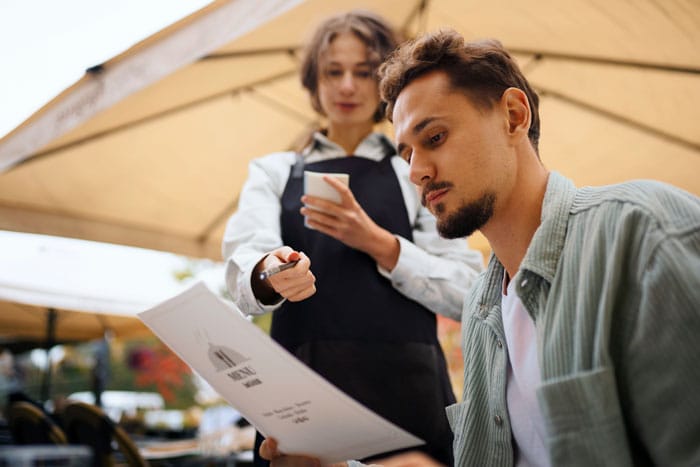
{"x":275,"y":392}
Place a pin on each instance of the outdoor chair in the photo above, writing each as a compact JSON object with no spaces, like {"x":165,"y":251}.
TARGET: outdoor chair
{"x":28,"y":424}
{"x":90,"y":425}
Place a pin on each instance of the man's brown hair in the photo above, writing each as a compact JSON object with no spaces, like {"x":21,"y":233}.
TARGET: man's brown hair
{"x":482,"y":70}
{"x":371,"y":29}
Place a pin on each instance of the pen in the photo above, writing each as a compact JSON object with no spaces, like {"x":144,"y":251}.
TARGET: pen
{"x":274,"y":270}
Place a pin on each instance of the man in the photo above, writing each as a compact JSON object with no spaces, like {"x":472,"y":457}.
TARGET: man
{"x":580,"y":340}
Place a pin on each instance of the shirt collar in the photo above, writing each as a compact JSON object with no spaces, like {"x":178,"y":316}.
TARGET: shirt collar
{"x":375,"y":146}
{"x":542,"y":256}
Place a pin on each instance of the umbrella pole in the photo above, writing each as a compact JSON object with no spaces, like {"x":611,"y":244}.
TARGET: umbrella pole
{"x":101,"y":369}
{"x":50,"y":340}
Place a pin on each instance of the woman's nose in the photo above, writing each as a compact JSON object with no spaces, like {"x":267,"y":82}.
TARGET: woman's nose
{"x":347,"y":82}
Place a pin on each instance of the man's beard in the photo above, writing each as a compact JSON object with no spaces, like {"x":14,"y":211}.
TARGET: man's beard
{"x":468,"y":219}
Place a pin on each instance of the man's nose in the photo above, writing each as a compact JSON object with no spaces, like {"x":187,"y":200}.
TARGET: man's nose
{"x":421,"y":171}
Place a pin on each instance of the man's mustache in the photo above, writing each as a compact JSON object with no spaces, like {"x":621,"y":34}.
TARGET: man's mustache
{"x":430,"y":187}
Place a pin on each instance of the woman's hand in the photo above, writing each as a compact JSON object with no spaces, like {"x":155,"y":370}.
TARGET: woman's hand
{"x":350,"y":224}
{"x":295,"y":284}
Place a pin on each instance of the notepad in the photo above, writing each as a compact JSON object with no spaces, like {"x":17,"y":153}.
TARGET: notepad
{"x":315,"y":185}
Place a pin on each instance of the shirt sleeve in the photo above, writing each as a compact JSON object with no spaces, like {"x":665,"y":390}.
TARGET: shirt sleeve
{"x":662,"y":374}
{"x":353,"y":463}
{"x":434,"y":271}
{"x":255,"y":228}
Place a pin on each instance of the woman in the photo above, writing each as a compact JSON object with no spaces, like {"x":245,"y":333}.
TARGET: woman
{"x":356,"y":306}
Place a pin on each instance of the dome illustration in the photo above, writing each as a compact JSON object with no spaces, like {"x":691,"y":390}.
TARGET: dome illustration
{"x":224,"y":358}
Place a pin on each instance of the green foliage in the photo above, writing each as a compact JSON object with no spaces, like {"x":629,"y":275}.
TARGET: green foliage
{"x":263,"y":321}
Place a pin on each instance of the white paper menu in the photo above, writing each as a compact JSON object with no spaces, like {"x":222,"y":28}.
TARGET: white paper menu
{"x":274,"y":391}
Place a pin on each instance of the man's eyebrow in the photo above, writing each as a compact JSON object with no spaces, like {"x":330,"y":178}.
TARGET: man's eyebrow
{"x":420,"y":126}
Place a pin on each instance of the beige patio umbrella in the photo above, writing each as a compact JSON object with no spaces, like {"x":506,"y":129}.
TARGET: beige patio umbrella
{"x":63,"y":291}
{"x":44,"y":326}
{"x":67,"y":290}
{"x":128,"y":157}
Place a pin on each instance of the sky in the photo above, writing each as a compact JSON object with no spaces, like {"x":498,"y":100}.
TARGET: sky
{"x":46,"y":45}
{"x":74,"y":274}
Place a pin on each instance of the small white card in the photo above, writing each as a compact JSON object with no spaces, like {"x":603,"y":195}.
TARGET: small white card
{"x":274,"y":391}
{"x":314,"y":185}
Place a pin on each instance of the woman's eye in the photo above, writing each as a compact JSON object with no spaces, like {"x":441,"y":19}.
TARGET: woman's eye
{"x":363,"y":74}
{"x":334,"y":73}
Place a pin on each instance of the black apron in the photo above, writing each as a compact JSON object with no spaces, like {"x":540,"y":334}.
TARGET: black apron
{"x":357,"y":330}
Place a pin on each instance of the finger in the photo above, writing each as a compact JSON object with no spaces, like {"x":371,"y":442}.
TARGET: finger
{"x":284,"y":252}
{"x":277,"y":256}
{"x":305,"y":288}
{"x":291,"y":284}
{"x":409,"y":459}
{"x":314,"y":217}
{"x":338,"y":186}
{"x":268,"y":449}
{"x":347,"y":199}
{"x":293,"y":256}
{"x":304,"y":264}
{"x":320,"y":205}
{"x":323,"y":225}
{"x":303,"y":295}
{"x":296,"y":274}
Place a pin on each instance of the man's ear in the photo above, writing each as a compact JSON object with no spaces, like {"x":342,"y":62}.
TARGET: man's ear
{"x":518,"y":109}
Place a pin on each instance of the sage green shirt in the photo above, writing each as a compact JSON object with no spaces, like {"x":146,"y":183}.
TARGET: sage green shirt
{"x":612,"y":281}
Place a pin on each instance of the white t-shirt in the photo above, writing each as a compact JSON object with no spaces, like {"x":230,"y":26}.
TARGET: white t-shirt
{"x":523,"y":378}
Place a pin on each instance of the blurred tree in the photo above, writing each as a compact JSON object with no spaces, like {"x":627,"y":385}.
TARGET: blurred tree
{"x":156,"y":367}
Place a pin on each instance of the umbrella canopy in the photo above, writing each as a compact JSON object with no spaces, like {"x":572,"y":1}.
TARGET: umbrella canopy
{"x":31,"y":326}
{"x":57,"y":290}
{"x":161,"y":157}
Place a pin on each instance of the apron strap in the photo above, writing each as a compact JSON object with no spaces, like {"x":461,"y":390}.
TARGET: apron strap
{"x":298,"y":167}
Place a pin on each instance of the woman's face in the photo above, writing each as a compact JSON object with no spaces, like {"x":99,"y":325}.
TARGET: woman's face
{"x":347,"y":84}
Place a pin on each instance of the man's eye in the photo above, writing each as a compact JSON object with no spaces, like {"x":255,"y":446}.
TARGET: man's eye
{"x":334,"y":73}
{"x":406,"y":155}
{"x":363,"y":74}
{"x":435,"y":139}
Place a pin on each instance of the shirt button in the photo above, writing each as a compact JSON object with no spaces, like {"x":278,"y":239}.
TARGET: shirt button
{"x":523,"y":283}
{"x":499,"y":344}
{"x":498,"y":420}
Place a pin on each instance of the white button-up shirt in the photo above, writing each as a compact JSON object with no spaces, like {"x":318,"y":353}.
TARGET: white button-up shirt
{"x":431,"y":270}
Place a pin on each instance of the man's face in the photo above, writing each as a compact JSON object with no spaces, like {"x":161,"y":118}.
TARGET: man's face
{"x":458,"y":153}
